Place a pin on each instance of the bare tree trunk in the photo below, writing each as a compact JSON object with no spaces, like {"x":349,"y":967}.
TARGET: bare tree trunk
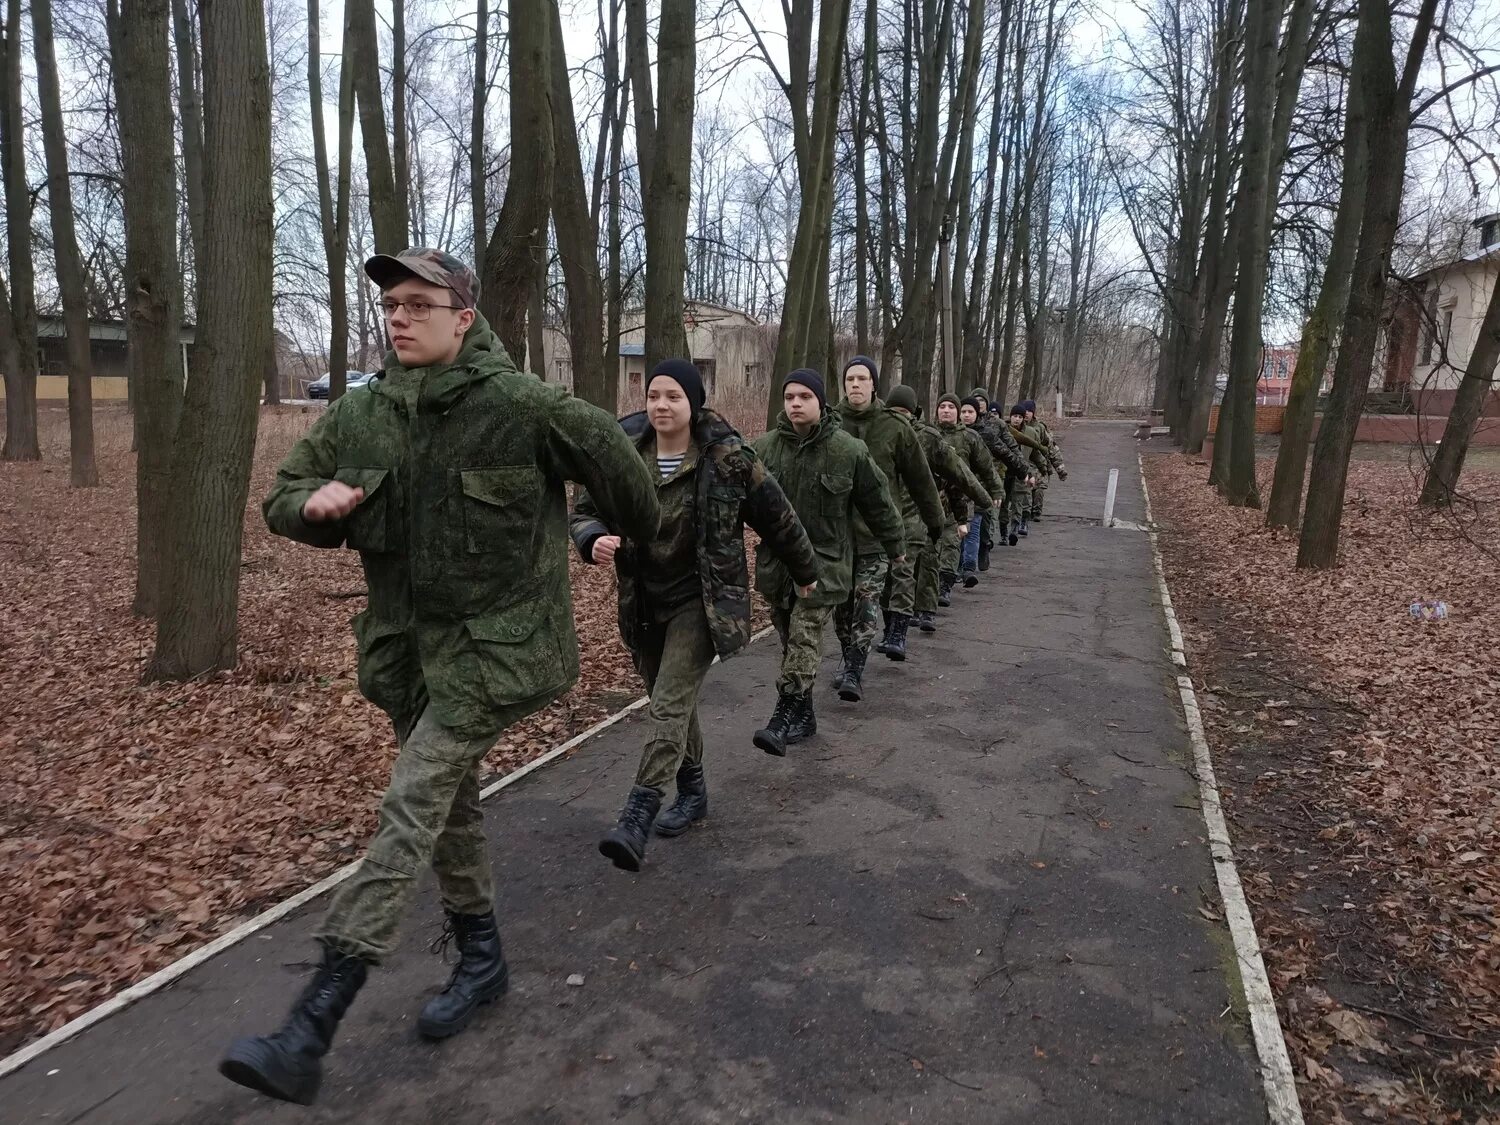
{"x":190,"y":105}
{"x":21,"y":442}
{"x":85,"y":474}
{"x":1262,"y":23}
{"x":536,"y":352}
{"x":1285,"y":508}
{"x":614,"y":296}
{"x":671,"y":181}
{"x":386,"y":213}
{"x":481,"y":219}
{"x":1468,"y":406}
{"x":577,"y":237}
{"x":333,"y":205}
{"x":143,"y":77}
{"x":519,"y":242}
{"x":399,"y":123}
{"x":197,"y":627}
{"x":1388,"y":102}
{"x":638,"y":66}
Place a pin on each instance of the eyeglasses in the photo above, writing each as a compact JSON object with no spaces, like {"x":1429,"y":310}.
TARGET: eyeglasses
{"x":416,"y":309}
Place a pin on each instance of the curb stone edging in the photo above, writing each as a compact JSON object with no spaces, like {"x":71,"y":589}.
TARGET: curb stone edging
{"x":1282,"y":1104}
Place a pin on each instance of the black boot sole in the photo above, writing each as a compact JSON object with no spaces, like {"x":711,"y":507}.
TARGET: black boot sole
{"x":670,"y":832}
{"x":899,"y":657}
{"x":1014,"y":539}
{"x":621,"y":854}
{"x":970,"y":581}
{"x":851,"y":693}
{"x":252,"y":1065}
{"x":435,"y":1030}
{"x":769,"y":743}
{"x":928,"y":626}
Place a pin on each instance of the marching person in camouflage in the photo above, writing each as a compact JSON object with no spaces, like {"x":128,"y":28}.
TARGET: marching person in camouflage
{"x":1019,"y":493}
{"x":958,"y":486}
{"x":898,"y":453}
{"x":685,"y":595}
{"x":1006,"y":452}
{"x":1038,"y":429}
{"x":447,"y":475}
{"x":832,"y":481}
{"x":970,"y":448}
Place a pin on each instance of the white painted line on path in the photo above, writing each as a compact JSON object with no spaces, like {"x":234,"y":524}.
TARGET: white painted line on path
{"x":1280,"y":1087}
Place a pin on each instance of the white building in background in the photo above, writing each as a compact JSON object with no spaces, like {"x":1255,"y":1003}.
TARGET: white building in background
{"x":730,"y":348}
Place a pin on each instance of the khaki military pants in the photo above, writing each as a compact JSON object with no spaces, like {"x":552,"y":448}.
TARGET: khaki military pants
{"x":675,"y":656}
{"x":800,"y":627}
{"x":430,"y":815}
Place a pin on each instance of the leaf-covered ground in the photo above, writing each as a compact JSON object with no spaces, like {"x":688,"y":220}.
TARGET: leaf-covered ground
{"x":138,"y":822}
{"x":1359,"y":750}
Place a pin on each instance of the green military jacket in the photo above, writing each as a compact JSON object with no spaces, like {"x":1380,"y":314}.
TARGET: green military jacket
{"x":731,"y":488}
{"x":462,"y":531}
{"x":1002,"y":444}
{"x":972,"y":451}
{"x":898,"y":454}
{"x":955,"y":480}
{"x":831,"y":480}
{"x":1035,"y":437}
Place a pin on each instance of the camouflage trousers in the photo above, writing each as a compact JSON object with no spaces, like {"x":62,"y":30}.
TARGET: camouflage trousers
{"x":858,"y":620}
{"x":1017,"y":499}
{"x":949,"y":551}
{"x":1039,"y":494}
{"x":930,"y":562}
{"x":430,"y":815}
{"x":800,"y":627}
{"x":675,"y":655}
{"x":901,"y":584}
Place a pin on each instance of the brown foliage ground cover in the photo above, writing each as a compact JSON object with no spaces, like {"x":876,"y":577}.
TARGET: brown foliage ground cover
{"x":1359,"y":751}
{"x":136,"y":823}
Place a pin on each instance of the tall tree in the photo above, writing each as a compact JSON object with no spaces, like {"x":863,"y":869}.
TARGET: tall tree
{"x":143,"y":75}
{"x":517,"y":249}
{"x":197,"y":628}
{"x":477,"y":165}
{"x":70,"y":280}
{"x":400,"y":124}
{"x":333,"y":196}
{"x":21,"y":442}
{"x":386,"y":211}
{"x":190,"y":107}
{"x":1387,"y":99}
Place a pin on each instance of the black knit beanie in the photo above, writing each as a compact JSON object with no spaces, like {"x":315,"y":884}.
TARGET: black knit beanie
{"x":686,"y":376}
{"x":807,"y":377}
{"x":1018,"y":408}
{"x":972,"y":403}
{"x":903,"y":398}
{"x":866,"y":361}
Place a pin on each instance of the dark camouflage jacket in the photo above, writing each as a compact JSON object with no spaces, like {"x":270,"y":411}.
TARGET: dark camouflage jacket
{"x":463,"y":529}
{"x":1001,"y":443}
{"x":956,"y":482}
{"x":971,"y":449}
{"x":830,"y":479}
{"x":731,"y":488}
{"x":898,"y":454}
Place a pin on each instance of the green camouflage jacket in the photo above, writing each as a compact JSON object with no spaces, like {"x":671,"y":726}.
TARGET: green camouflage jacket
{"x":972,"y":451}
{"x":1034,"y":435}
{"x":1001,"y":443}
{"x":730,"y":489}
{"x":956,"y":482}
{"x":463,"y":529}
{"x":831,"y":480}
{"x":898,"y":454}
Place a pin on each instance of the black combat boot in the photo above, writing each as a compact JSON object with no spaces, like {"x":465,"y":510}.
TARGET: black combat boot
{"x":895,"y":641}
{"x":479,"y":977}
{"x":624,"y":845}
{"x":984,"y":558}
{"x":691,"y":803}
{"x":772,"y":737}
{"x":885,"y":638}
{"x":945,"y":588}
{"x":971,"y":579}
{"x":288,"y":1064}
{"x":927,"y":621}
{"x":852,"y":690}
{"x":804,"y":724}
{"x":1013,"y":535}
{"x":841,"y":676}
{"x":1022,"y":529}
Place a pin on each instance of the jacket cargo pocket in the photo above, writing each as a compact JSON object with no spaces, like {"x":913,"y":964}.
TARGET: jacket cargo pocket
{"x":835,"y":495}
{"x":518,"y":653}
{"x":499,"y":508}
{"x":369,"y":523}
{"x":387,"y":674}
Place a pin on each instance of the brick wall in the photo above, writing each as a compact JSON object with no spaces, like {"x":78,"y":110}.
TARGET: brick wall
{"x":1267,"y":419}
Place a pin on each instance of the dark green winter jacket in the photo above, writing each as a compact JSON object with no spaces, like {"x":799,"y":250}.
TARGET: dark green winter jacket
{"x":730,"y":487}
{"x":462,"y":531}
{"x":898,"y":454}
{"x":831,"y":480}
{"x":971,"y":449}
{"x":956,"y":482}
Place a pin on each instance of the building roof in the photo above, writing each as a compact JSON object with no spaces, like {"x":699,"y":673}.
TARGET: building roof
{"x":1483,"y":254}
{"x":53,"y":328}
{"x":633,"y":349}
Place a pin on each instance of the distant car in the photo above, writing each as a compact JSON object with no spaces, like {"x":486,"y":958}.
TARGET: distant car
{"x":318,"y":388}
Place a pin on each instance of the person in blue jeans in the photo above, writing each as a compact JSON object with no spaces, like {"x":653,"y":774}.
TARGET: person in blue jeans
{"x":968,"y":557}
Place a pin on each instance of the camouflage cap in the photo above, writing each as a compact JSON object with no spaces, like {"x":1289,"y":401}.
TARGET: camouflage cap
{"x":437,"y":267}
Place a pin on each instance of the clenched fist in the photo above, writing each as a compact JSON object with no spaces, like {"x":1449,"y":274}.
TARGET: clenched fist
{"x":605,"y":547}
{"x":333,"y":501}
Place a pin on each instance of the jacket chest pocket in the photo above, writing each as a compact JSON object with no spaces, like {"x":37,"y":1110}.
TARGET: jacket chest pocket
{"x":833,"y":492}
{"x":499,"y":508}
{"x":369,"y":524}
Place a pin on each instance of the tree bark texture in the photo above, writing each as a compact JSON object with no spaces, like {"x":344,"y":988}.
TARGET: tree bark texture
{"x":1441,"y":485}
{"x":190,"y":108}
{"x":333,"y":201}
{"x":21,"y":442}
{"x":671,"y":182}
{"x":197,"y":629}
{"x":386,"y":213}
